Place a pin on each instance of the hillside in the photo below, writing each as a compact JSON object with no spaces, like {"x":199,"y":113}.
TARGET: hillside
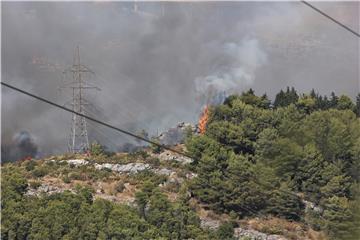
{"x":287,"y":170}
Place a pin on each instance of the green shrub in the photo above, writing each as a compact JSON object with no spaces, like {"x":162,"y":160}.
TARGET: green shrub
{"x":149,"y":176}
{"x":173,"y":187}
{"x":226,"y":231}
{"x":76,"y":176}
{"x":66,"y":179}
{"x":245,"y":238}
{"x":96,"y":149}
{"x":99,"y":174}
{"x":35,"y":184}
{"x":154,"y":147}
{"x":30,"y":165}
{"x":272,"y":229}
{"x":120,"y":187}
{"x":40,"y":172}
{"x":154,"y":161}
{"x":144,"y":155}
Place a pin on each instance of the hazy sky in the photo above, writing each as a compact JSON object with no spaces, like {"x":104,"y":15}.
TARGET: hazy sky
{"x":157,"y":62}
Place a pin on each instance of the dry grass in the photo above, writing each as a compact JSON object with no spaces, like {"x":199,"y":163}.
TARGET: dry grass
{"x":273,"y":222}
{"x":289,"y":229}
{"x":315,"y":235}
{"x":206,"y":213}
{"x":171,"y":196}
{"x":273,"y":225}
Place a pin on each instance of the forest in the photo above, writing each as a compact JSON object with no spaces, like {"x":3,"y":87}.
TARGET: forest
{"x":257,"y":158}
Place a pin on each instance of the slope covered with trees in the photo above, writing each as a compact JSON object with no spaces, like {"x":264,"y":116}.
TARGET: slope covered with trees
{"x":77,"y":215}
{"x":258,"y":159}
{"x":296,"y":160}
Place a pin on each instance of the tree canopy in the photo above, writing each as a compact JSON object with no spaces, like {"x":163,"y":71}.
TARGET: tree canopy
{"x":258,"y":158}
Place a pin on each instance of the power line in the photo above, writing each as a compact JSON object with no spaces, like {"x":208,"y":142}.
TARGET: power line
{"x":102,"y":134}
{"x":94,"y":120}
{"x":249,"y":209}
{"x":331,"y":18}
{"x":79,"y":140}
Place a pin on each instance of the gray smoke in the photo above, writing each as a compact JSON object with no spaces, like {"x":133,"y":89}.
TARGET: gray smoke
{"x":245,"y":58}
{"x":22,"y":146}
{"x":128,"y":147}
{"x":159,"y":62}
{"x":176,"y":135}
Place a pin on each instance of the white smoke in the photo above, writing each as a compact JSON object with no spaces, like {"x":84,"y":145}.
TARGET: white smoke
{"x":245,"y":58}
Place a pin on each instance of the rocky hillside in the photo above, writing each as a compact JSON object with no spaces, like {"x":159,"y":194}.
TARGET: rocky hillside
{"x":258,"y":171}
{"x":119,"y":178}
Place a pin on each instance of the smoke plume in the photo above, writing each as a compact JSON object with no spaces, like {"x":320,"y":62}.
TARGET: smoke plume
{"x":158,"y":63}
{"x":245,"y":58}
{"x":22,"y":146}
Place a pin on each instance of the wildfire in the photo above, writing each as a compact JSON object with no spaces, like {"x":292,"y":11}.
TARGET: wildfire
{"x":203,"y":120}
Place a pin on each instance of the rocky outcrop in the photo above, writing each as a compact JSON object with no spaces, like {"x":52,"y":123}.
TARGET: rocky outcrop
{"x":312,"y":206}
{"x":46,"y":189}
{"x":130,"y":168}
{"x":164,"y":171}
{"x":207,"y":223}
{"x":170,"y":156}
{"x":191,"y":175}
{"x":255,"y":235}
{"x":75,"y":162}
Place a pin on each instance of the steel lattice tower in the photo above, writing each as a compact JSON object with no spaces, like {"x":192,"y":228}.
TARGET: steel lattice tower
{"x":78,"y":141}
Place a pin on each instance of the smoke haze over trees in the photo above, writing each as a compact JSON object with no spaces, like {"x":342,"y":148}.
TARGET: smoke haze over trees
{"x":22,"y":146}
{"x":158,"y":64}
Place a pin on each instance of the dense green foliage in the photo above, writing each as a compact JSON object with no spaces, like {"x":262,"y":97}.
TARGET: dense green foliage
{"x":79,"y":216}
{"x":257,"y":159}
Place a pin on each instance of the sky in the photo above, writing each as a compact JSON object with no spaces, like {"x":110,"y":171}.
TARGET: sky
{"x":158,"y":63}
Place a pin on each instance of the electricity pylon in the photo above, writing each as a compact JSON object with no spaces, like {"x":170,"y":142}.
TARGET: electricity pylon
{"x":78,"y":140}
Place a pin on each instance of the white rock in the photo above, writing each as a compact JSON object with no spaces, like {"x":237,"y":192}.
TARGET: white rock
{"x":312,"y":206}
{"x":125,"y":168}
{"x":170,"y":156}
{"x":163,"y":171}
{"x":48,"y":189}
{"x":255,"y":235}
{"x":77,"y":162}
{"x":191,"y":175}
{"x":209,"y":223}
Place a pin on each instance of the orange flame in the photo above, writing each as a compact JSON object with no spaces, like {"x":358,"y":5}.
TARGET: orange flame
{"x":203,"y":120}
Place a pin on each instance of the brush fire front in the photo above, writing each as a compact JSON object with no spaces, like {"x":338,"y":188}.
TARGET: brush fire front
{"x":203,"y":120}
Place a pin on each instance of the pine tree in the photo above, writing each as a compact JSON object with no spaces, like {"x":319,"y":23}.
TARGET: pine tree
{"x":251,"y":92}
{"x":326,"y":103}
{"x":283,"y":99}
{"x":265,"y":102}
{"x":285,"y":205}
{"x":333,"y":100}
{"x":338,"y":220}
{"x":358,"y":105}
{"x":313,"y":94}
{"x":294,"y":95}
{"x":280,"y":99}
